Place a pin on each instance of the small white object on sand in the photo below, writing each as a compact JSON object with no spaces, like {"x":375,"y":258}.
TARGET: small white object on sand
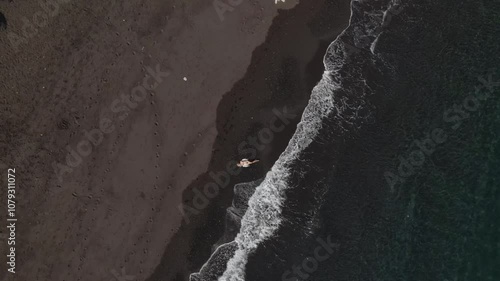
{"x":185,"y":79}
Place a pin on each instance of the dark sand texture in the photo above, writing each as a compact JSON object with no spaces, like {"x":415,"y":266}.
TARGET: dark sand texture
{"x":117,"y":208}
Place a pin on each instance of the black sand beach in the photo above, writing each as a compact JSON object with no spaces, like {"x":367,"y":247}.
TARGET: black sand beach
{"x":282,"y":73}
{"x":99,"y":203}
{"x":121,"y":124}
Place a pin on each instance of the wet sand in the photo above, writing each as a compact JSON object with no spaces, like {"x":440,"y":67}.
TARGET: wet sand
{"x":282,"y":73}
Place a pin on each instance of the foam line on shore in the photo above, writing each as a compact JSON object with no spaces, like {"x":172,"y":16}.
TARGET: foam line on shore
{"x":263,"y":216}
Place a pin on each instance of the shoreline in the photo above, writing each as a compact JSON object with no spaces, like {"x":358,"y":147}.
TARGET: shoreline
{"x":241,"y":114}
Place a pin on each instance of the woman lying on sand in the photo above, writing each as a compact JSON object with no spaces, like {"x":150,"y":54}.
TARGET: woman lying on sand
{"x":245,"y":163}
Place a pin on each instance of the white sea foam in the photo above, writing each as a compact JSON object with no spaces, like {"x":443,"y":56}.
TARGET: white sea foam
{"x":263,"y":216}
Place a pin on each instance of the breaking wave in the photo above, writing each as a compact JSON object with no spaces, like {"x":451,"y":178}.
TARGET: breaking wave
{"x":341,"y":61}
{"x":263,"y":216}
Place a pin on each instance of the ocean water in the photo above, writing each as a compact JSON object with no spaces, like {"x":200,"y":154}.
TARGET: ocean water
{"x":393,"y":172}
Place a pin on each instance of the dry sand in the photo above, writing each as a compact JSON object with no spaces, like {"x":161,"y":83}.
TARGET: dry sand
{"x":116,"y":211}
